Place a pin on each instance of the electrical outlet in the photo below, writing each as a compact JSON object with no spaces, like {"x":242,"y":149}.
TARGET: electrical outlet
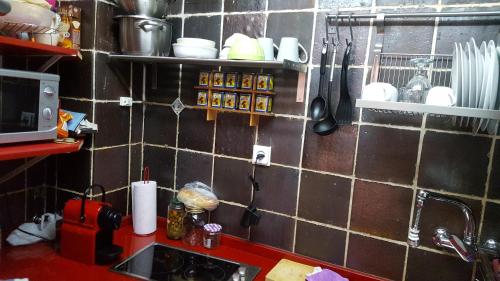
{"x":260,"y":149}
{"x":126,"y":101}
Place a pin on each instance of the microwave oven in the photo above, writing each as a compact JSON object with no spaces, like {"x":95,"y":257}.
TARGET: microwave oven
{"x":28,"y":106}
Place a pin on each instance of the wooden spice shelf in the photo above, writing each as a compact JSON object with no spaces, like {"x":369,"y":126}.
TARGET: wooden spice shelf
{"x":212,"y":111}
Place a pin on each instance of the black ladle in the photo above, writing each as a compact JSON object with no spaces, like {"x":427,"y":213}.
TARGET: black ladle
{"x":329,"y":124}
{"x":318,"y":105}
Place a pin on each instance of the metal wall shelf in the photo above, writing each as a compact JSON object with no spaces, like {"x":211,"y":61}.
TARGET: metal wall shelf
{"x":288,"y":65}
{"x":425,"y":108}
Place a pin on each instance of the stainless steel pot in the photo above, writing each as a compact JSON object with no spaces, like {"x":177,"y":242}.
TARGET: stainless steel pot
{"x":150,"y":8}
{"x":144,"y":36}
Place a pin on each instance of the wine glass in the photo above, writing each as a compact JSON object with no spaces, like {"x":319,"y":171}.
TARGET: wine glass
{"x":416,"y":89}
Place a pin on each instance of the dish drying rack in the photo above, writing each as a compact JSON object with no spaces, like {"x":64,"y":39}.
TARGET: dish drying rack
{"x":11,"y":28}
{"x":397,"y":70}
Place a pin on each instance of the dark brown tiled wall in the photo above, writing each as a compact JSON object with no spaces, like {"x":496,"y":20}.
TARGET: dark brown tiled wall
{"x":346,"y":198}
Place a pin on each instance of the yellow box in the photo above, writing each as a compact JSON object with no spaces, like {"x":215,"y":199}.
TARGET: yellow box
{"x":218,"y":79}
{"x":203,"y":78}
{"x":202,"y":98}
{"x":247,"y":80}
{"x":263,"y":103}
{"x":265,"y":82}
{"x":216,"y":99}
{"x":230,"y":100}
{"x":245,"y":102}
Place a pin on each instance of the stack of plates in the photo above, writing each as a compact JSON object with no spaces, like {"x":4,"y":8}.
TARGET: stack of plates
{"x":196,"y":48}
{"x":474,"y":79}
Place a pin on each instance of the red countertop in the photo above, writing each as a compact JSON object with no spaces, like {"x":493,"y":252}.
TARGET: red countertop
{"x":42,"y":262}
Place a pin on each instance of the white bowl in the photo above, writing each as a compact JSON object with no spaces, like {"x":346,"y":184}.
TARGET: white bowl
{"x":196,"y":52}
{"x":378,"y":91}
{"x":198,"y":42}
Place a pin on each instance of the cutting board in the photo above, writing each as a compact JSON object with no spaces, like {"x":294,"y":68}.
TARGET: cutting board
{"x":287,"y":270}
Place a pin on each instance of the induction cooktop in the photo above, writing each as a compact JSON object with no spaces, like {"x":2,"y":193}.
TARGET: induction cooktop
{"x":165,"y":263}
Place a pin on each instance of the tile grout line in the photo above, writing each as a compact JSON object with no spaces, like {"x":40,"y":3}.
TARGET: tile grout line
{"x":304,"y":125}
{"x":485,"y":200}
{"x":360,"y":118}
{"x":131,"y":77}
{"x":419,"y":153}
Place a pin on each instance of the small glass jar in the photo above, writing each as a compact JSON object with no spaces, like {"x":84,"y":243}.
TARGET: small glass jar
{"x":175,"y":218}
{"x":211,"y":235}
{"x":193,"y":227}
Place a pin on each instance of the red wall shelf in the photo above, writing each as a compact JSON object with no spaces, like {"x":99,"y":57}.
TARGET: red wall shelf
{"x":26,"y":150}
{"x":13,"y":46}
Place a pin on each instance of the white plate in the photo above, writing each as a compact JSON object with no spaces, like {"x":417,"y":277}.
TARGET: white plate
{"x":486,"y":66}
{"x":471,"y":62}
{"x":456,"y":74}
{"x":465,"y":80}
{"x":479,"y":78}
{"x":492,"y":82}
{"x":492,"y":124}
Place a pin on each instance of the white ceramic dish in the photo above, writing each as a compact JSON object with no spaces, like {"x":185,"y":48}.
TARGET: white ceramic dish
{"x":465,"y":81}
{"x":479,"y":81}
{"x":482,"y":99}
{"x":492,"y":88}
{"x":196,"y":42}
{"x":471,"y":62}
{"x":479,"y":71}
{"x":456,"y":70}
{"x":456,"y":74}
{"x":470,"y":52}
{"x":195,"y":52}
{"x":492,"y":125}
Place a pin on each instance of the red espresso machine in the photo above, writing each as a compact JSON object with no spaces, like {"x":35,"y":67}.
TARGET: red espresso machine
{"x":87,"y":230}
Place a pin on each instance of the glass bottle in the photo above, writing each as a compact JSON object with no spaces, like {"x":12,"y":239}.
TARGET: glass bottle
{"x":417,"y":88}
{"x":175,"y":218}
{"x":193,"y":227}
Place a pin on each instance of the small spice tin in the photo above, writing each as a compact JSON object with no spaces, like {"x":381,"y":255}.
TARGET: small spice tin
{"x":230,"y":100}
{"x":203,"y":79}
{"x":263,"y":103}
{"x":202,"y":98}
{"x":265,"y":82}
{"x":218,"y":79}
{"x":211,"y":235}
{"x":233,"y":80}
{"x":245,"y":101}
{"x":247,"y":80}
{"x":216,"y":99}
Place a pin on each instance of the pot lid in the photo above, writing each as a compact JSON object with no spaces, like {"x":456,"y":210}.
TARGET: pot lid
{"x":142,"y":17}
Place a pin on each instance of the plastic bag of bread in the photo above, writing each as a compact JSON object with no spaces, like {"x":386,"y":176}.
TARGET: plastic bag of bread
{"x":198,"y":195}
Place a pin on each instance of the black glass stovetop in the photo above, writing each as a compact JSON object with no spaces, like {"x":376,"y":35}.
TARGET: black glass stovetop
{"x":164,"y":263}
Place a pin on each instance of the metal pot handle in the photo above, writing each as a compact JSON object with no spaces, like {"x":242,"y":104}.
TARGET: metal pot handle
{"x":148,"y":25}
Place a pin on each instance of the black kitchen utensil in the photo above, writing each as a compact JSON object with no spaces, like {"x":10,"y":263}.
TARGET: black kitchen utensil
{"x":344,"y":109}
{"x":329,"y":124}
{"x":318,"y":105}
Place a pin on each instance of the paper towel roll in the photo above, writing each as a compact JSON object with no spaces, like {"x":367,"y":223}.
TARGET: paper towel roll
{"x":144,"y":207}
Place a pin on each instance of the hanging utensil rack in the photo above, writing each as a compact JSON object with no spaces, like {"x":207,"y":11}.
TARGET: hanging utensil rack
{"x":395,"y":69}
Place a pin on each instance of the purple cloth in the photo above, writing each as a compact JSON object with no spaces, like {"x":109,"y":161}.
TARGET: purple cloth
{"x":326,"y":275}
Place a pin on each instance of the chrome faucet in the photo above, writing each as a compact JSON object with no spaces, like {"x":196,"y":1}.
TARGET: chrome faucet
{"x":465,"y":248}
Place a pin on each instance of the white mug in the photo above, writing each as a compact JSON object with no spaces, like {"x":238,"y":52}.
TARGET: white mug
{"x":379,"y":91}
{"x":268,"y":47}
{"x":289,"y":50}
{"x":441,"y":96}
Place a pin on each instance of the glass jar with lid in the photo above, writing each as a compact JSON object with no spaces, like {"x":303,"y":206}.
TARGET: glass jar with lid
{"x":175,"y":218}
{"x":211,"y":235}
{"x":193,"y":226}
